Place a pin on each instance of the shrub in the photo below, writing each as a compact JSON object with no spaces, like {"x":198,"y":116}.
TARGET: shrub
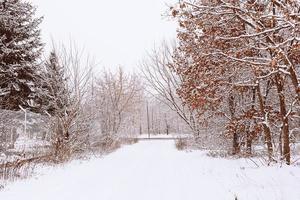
{"x":181,"y":144}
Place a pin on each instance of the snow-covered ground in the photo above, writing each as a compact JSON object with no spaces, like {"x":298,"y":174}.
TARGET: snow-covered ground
{"x":155,"y":170}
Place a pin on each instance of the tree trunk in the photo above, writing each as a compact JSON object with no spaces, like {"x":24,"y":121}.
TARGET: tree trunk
{"x":235,"y":142}
{"x":148,"y":122}
{"x":167,"y":125}
{"x":284,"y":119}
{"x":248,"y":140}
{"x":266,"y":128}
{"x":294,"y":78}
{"x":280,"y":144}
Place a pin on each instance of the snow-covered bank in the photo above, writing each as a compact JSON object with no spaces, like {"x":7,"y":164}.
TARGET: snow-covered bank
{"x":155,"y":170}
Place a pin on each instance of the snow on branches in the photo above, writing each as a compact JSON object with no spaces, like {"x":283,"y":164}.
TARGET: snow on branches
{"x":241,"y":58}
{"x":20,"y":48}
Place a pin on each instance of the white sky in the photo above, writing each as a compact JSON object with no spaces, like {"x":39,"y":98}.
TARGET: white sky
{"x":115,"y":32}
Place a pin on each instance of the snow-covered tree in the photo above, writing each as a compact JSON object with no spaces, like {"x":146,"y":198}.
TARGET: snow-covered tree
{"x":64,"y":96}
{"x":239,"y":59}
{"x":20,"y":48}
{"x":160,"y":74}
{"x":118,"y":98}
{"x":54,"y":94}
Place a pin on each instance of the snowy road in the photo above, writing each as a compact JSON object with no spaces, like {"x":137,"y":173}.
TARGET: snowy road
{"x":155,"y":170}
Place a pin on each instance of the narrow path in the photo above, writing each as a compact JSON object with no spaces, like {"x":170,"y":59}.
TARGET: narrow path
{"x":155,"y":170}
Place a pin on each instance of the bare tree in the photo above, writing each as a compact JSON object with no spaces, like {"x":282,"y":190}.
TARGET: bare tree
{"x":163,"y":81}
{"x":70,"y":124}
{"x":117,"y":100}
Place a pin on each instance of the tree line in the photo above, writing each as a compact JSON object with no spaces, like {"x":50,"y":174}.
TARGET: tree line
{"x":81,"y":109}
{"x":239,"y":62}
{"x":233,"y":72}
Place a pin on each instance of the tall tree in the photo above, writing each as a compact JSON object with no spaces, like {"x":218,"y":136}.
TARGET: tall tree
{"x":20,"y":48}
{"x":54,"y":95}
{"x":160,"y":74}
{"x":237,"y":48}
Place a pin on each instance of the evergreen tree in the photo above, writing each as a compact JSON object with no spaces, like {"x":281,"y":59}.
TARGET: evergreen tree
{"x":20,"y":48}
{"x":55,"y":95}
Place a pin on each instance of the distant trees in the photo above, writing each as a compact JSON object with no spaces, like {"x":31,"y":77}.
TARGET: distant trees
{"x":158,"y":118}
{"x":20,"y":48}
{"x":118,"y":99}
{"x":239,"y":60}
{"x":159,"y":73}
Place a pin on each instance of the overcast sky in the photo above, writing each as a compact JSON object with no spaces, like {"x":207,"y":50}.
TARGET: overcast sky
{"x":115,"y":32}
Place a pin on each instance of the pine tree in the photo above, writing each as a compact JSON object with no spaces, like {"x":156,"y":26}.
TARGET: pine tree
{"x":53,"y":95}
{"x":20,"y":48}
